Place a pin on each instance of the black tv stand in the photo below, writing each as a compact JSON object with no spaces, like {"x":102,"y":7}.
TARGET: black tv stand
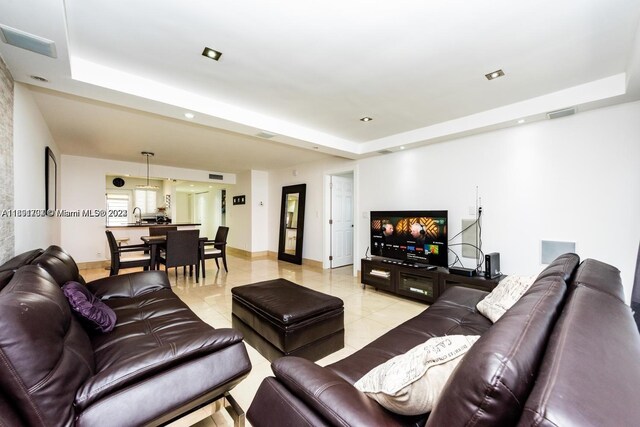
{"x":413,"y":264}
{"x":414,"y":280}
{"x":406,"y":263}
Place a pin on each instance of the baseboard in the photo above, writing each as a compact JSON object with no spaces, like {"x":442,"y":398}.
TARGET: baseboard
{"x":246,"y":254}
{"x":312,"y":263}
{"x":93,"y":264}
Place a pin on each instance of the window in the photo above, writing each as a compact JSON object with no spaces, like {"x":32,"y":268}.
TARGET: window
{"x":146,"y":200}
{"x":117,"y":202}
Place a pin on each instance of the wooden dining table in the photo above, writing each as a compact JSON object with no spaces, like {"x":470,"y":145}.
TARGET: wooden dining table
{"x":156,"y":242}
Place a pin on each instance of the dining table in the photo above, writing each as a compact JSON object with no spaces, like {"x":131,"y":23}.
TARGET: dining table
{"x":156,"y":242}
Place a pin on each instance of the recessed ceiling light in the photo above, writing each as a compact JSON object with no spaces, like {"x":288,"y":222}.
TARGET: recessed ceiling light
{"x":189,"y":115}
{"x":211,"y":53}
{"x":521,"y":121}
{"x":40,"y":79}
{"x":190,"y":185}
{"x":366,"y":119}
{"x":494,"y":74}
{"x":402,"y":147}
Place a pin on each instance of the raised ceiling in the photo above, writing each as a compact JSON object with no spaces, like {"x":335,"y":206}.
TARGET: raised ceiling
{"x":307,"y":72}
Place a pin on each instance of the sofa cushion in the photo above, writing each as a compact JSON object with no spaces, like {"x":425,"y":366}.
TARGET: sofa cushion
{"x":129,"y":285}
{"x":59,"y":265}
{"x":8,"y":268}
{"x":90,"y":309}
{"x":154,"y":331}
{"x":494,"y":379}
{"x":45,"y":355}
{"x":19,"y":260}
{"x":454,"y":313}
{"x":5,"y":277}
{"x":589,"y":375}
{"x":411,"y":383}
{"x":601,"y":277}
{"x":324,"y":391}
{"x":503,"y":296}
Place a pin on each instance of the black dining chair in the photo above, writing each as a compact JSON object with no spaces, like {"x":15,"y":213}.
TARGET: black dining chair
{"x":182,"y":249}
{"x":215,"y":249}
{"x":143,"y":259}
{"x":161,"y":231}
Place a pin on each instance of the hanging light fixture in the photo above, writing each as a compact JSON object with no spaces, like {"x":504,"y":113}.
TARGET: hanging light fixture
{"x":148,"y":154}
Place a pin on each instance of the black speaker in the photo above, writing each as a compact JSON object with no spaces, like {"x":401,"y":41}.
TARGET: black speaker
{"x":492,"y":265}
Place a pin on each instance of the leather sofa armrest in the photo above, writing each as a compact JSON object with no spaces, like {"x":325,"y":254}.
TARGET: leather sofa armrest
{"x":329,"y":394}
{"x":129,"y":285}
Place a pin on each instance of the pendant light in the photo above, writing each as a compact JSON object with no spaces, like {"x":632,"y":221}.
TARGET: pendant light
{"x":148,"y":154}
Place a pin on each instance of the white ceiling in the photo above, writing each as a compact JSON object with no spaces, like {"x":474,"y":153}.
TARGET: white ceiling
{"x":308,"y":71}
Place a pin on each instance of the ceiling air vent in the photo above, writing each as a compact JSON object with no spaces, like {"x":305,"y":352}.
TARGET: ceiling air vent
{"x":265,"y":135}
{"x":561,"y":113}
{"x":28,"y":41}
{"x":216,"y":176}
{"x":385,"y":152}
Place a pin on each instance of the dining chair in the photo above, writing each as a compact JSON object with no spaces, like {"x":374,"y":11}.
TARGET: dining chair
{"x":161,"y":231}
{"x":142,"y":259}
{"x":215,"y":249}
{"x":182,"y":249}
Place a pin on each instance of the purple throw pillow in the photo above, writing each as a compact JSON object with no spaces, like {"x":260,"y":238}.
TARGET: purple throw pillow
{"x":86,"y":304}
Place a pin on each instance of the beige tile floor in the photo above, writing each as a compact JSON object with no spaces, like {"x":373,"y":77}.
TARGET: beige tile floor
{"x":368,"y":313}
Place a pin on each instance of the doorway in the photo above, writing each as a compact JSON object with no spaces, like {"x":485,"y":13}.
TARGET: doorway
{"x":341,"y":223}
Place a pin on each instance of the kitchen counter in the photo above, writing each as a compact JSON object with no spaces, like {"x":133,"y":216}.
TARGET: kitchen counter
{"x":153,"y":224}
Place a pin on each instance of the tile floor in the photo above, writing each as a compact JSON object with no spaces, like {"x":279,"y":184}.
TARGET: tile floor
{"x":368,"y":313}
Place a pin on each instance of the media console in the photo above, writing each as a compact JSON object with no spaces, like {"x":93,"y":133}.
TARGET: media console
{"x":423,"y":283}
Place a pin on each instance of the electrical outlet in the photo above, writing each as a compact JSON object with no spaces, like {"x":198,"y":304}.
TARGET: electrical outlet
{"x":98,"y":254}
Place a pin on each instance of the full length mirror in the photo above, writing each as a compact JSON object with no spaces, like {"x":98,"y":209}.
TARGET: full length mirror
{"x":292,"y":223}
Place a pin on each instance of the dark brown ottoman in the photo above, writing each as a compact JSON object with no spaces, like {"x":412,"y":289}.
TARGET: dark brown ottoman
{"x":279,"y":318}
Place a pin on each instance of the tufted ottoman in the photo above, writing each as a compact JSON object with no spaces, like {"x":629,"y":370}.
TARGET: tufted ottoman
{"x":279,"y":318}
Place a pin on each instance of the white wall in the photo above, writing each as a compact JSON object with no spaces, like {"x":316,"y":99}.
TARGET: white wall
{"x":571,"y":179}
{"x":83,"y":187}
{"x":259,"y":211}
{"x":239,"y":216}
{"x":30,"y":137}
{"x":311,"y":174}
{"x":183,"y":207}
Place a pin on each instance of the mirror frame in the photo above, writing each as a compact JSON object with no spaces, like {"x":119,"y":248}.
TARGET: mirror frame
{"x":301,"y":189}
{"x":50,"y":180}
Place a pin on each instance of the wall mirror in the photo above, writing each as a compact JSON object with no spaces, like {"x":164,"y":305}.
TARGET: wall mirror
{"x":50,"y":179}
{"x":292,"y":223}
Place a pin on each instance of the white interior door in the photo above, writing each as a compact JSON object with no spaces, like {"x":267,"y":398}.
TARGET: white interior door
{"x":341,"y":221}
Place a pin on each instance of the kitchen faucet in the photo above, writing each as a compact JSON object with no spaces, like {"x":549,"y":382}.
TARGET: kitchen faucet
{"x":138,"y":220}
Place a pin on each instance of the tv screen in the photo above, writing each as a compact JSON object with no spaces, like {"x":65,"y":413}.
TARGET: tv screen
{"x":413,"y":236}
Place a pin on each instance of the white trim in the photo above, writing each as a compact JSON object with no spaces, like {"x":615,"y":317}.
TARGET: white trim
{"x":326,"y":215}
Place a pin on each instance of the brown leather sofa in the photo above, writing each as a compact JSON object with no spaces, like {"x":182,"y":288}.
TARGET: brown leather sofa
{"x":566,"y":354}
{"x":160,"y":362}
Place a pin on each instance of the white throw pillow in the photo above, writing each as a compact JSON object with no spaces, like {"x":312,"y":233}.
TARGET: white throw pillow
{"x":504,"y":296}
{"x":411,"y":383}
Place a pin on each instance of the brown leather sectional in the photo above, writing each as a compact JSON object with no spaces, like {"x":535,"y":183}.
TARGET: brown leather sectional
{"x":161,"y":361}
{"x":566,"y":354}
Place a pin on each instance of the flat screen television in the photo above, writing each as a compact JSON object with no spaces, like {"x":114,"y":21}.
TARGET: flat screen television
{"x":411,"y":236}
